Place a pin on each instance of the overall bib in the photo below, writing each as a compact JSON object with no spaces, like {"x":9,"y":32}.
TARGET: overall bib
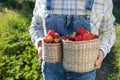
{"x":65,"y":25}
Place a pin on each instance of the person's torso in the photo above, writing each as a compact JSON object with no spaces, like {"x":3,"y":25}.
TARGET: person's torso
{"x":93,"y":8}
{"x":73,"y":7}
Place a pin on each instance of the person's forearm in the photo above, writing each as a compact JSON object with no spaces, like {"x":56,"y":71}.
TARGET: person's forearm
{"x":107,"y":30}
{"x":107,"y":40}
{"x":36,"y":31}
{"x":36,"y":28}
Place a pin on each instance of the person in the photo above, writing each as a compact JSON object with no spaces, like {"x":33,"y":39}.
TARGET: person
{"x":65,"y":16}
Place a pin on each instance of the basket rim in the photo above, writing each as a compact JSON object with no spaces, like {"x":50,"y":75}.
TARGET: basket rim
{"x":52,"y":43}
{"x":81,"y":41}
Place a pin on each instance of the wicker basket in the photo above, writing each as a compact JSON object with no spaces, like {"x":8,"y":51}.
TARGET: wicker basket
{"x":80,"y":56}
{"x":52,"y":52}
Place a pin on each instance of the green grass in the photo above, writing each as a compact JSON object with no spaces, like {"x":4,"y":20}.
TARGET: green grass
{"x":11,"y":24}
{"x":115,"y":60}
{"x":19,"y":58}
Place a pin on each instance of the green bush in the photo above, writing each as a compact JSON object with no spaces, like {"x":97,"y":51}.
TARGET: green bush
{"x":19,"y":59}
{"x":115,"y":75}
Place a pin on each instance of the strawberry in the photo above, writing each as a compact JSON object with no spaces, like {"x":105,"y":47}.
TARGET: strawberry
{"x":73,"y":34}
{"x":51,"y":32}
{"x":92,"y":35}
{"x":71,"y":38}
{"x":44,"y":39}
{"x":66,"y":38}
{"x":86,"y":36}
{"x":49,"y":39}
{"x":52,"y":37}
{"x":56,"y":35}
{"x":56,"y":40}
{"x":81,"y":31}
{"x":49,"y":42}
{"x":78,"y":38}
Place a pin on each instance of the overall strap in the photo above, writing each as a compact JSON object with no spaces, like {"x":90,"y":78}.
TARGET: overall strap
{"x":89,"y":6}
{"x":48,"y":4}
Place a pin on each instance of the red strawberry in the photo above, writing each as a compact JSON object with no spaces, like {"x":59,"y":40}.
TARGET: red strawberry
{"x":81,"y":31}
{"x":56,"y":35}
{"x":66,"y":38}
{"x":51,"y":32}
{"x":49,"y":42}
{"x":92,"y":35}
{"x":72,"y":36}
{"x":78,"y":38}
{"x":86,"y":36}
{"x":49,"y":39}
{"x":56,"y":40}
{"x":44,"y":39}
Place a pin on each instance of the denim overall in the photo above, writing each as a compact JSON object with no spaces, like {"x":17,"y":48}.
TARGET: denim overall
{"x":65,"y":25}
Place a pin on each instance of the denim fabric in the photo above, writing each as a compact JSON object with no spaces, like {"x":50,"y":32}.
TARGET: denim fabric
{"x":66,"y":24}
{"x":89,"y":4}
{"x":53,"y":71}
{"x":57,"y":72}
{"x":48,"y":4}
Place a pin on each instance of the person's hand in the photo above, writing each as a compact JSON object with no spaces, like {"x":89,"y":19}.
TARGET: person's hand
{"x":99,"y":60}
{"x":40,"y":52}
{"x":40,"y":49}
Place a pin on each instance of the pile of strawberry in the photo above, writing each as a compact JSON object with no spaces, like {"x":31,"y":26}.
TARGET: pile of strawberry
{"x":80,"y":35}
{"x":52,"y":37}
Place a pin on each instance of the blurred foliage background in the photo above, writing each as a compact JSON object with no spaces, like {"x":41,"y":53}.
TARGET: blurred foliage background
{"x":18,"y":56}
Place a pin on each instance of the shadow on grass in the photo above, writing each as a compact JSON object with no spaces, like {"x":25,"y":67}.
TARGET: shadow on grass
{"x":116,"y":11}
{"x":1,"y":10}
